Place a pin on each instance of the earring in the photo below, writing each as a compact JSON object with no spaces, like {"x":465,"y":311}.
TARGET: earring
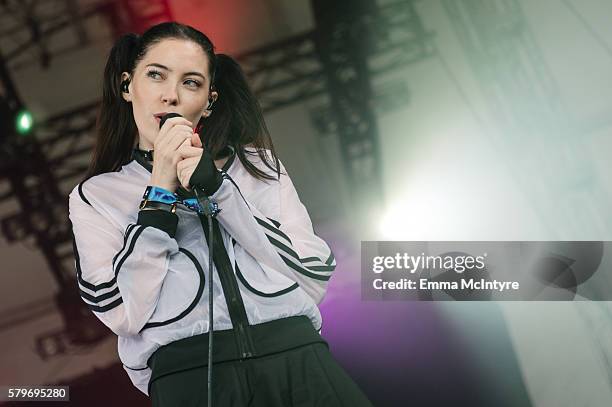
{"x":124,"y":86}
{"x":208,"y":110}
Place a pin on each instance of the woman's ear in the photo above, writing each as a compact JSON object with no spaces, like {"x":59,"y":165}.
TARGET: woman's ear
{"x":212,"y":98}
{"x":125,"y":87}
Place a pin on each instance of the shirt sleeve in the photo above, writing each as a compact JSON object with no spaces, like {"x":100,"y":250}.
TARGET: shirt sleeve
{"x":120,"y":272}
{"x":288,"y":245}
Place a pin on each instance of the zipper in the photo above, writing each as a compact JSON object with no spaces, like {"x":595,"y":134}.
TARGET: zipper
{"x":231,"y":291}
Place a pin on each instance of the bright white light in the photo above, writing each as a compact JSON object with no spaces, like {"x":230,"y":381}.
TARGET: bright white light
{"x":26,"y":121}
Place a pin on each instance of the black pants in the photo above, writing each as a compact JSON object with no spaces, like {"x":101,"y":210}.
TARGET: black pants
{"x":301,"y":373}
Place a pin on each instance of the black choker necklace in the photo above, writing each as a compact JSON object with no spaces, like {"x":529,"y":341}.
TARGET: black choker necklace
{"x":145,"y":157}
{"x":148,"y":154}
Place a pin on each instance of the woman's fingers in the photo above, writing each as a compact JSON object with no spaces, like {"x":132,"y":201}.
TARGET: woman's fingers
{"x":171,"y":130}
{"x":177,"y":141}
{"x":196,"y":141}
{"x":175,"y":133}
{"x":185,"y":169}
{"x":187,"y":164}
{"x":187,"y":150}
{"x":172,"y":122}
{"x":175,"y":137}
{"x":169,"y":153}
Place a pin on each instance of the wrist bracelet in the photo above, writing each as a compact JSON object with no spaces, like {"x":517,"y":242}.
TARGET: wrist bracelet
{"x":158,"y":198}
{"x":158,"y":194}
{"x":210,"y":206}
{"x":147,"y":205}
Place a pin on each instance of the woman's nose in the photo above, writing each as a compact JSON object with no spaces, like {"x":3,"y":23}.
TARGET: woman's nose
{"x":170,"y":95}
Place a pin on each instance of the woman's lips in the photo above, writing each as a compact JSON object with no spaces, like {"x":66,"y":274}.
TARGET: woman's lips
{"x":157,"y":119}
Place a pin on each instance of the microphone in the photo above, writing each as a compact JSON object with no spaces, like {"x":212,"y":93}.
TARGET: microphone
{"x":166,"y":117}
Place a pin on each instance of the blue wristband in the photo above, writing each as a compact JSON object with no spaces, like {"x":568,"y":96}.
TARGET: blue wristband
{"x":194,"y":205}
{"x":157,"y":194}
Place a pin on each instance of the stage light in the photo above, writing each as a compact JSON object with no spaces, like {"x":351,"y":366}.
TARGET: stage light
{"x":24,"y":122}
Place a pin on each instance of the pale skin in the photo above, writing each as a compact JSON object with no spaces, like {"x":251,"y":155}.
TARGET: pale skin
{"x":172,"y":77}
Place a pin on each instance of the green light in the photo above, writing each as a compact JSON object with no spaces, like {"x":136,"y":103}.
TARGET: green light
{"x":24,"y":122}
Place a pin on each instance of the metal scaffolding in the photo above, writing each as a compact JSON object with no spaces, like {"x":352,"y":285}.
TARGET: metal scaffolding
{"x":337,"y":60}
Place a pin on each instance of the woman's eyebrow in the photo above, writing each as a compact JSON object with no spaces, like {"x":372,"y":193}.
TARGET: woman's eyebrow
{"x":170,"y":70}
{"x":160,"y":66}
{"x":195,"y":73}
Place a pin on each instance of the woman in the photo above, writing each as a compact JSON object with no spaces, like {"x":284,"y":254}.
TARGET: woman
{"x":141,"y":239}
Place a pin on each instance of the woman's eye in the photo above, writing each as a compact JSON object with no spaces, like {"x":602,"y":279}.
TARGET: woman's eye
{"x":154,"y":74}
{"x":193,"y":83}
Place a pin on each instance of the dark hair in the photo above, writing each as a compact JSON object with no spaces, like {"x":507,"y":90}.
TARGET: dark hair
{"x":237,"y":119}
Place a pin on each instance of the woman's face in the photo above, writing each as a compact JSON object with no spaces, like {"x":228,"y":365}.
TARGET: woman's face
{"x":172,"y":77}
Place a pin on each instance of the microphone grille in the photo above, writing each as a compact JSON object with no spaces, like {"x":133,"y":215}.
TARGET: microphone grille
{"x":166,"y":117}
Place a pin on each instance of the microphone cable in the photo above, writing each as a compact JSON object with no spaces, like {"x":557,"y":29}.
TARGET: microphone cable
{"x":207,"y":208}
{"x":205,"y":204}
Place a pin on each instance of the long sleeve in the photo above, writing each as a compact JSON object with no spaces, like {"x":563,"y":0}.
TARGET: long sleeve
{"x":287,"y":245}
{"x":120,"y":273}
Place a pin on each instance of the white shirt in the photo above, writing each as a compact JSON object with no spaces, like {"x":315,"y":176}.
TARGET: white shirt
{"x":152,"y":289}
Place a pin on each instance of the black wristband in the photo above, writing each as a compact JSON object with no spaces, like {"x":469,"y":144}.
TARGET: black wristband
{"x":206,"y":175}
{"x":163,"y":206}
{"x":166,"y":221}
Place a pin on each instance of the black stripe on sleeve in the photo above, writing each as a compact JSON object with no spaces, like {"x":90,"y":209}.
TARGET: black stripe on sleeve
{"x":81,"y":194}
{"x":108,"y":307}
{"x":125,"y":239}
{"x":99,"y":298}
{"x":300,"y":268}
{"x":293,"y":254}
{"x":330,"y":259}
{"x":303,"y":271}
{"x":134,"y":368}
{"x":275,"y":222}
{"x":273,"y":229}
{"x":129,"y":250}
{"x":107,"y":284}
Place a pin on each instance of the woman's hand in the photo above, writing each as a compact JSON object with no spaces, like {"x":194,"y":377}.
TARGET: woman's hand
{"x":191,"y":157}
{"x":173,"y":143}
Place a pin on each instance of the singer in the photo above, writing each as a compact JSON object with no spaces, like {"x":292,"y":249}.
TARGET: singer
{"x":177,"y":123}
